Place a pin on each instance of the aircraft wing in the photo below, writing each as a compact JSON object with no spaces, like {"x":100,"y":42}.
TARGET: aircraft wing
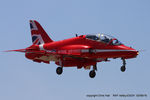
{"x":73,"y":51}
{"x":66,"y":50}
{"x":18,"y":50}
{"x":26,"y":51}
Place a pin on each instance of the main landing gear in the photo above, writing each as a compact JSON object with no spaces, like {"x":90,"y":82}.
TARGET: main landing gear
{"x":92,"y":73}
{"x":59,"y":70}
{"x":123,"y":67}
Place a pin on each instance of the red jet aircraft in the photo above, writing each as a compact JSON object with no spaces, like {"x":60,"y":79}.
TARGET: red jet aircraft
{"x":81,"y":51}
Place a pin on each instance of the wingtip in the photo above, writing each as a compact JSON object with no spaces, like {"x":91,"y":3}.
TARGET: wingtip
{"x":19,"y":50}
{"x":6,"y":51}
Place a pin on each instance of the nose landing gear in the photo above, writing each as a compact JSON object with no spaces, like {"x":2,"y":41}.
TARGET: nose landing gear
{"x":92,"y":73}
{"x":123,"y":67}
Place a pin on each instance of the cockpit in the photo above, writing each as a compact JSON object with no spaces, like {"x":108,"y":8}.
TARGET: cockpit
{"x":104,"y":38}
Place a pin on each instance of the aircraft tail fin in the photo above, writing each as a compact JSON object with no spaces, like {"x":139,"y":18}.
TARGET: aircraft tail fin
{"x":39,"y":36}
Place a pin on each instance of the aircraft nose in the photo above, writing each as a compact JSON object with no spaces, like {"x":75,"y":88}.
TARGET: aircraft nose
{"x":134,"y":52}
{"x":130,"y":52}
{"x":137,"y":52}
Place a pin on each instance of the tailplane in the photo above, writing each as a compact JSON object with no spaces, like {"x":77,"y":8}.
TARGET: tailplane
{"x":39,"y":36}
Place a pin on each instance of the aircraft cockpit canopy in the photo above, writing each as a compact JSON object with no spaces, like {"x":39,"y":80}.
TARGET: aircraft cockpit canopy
{"x":104,"y":38}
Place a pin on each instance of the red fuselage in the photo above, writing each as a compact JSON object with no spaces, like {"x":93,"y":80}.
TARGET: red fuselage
{"x":80,"y":47}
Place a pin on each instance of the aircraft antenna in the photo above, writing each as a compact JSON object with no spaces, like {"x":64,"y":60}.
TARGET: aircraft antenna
{"x":76,"y":35}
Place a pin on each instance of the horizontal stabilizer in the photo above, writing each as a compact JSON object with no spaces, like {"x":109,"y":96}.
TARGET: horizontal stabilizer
{"x":18,"y":50}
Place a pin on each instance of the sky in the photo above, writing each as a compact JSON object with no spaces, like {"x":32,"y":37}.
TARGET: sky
{"x":23,"y":79}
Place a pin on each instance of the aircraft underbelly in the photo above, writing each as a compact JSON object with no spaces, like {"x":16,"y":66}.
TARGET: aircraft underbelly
{"x":48,"y":58}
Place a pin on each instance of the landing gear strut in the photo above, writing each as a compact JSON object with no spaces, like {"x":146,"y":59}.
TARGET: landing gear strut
{"x":59,"y":70}
{"x":123,"y":67}
{"x":92,"y":73}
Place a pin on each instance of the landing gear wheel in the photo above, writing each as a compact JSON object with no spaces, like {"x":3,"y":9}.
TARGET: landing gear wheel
{"x":92,"y":74}
{"x":123,"y":68}
{"x":59,"y":70}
